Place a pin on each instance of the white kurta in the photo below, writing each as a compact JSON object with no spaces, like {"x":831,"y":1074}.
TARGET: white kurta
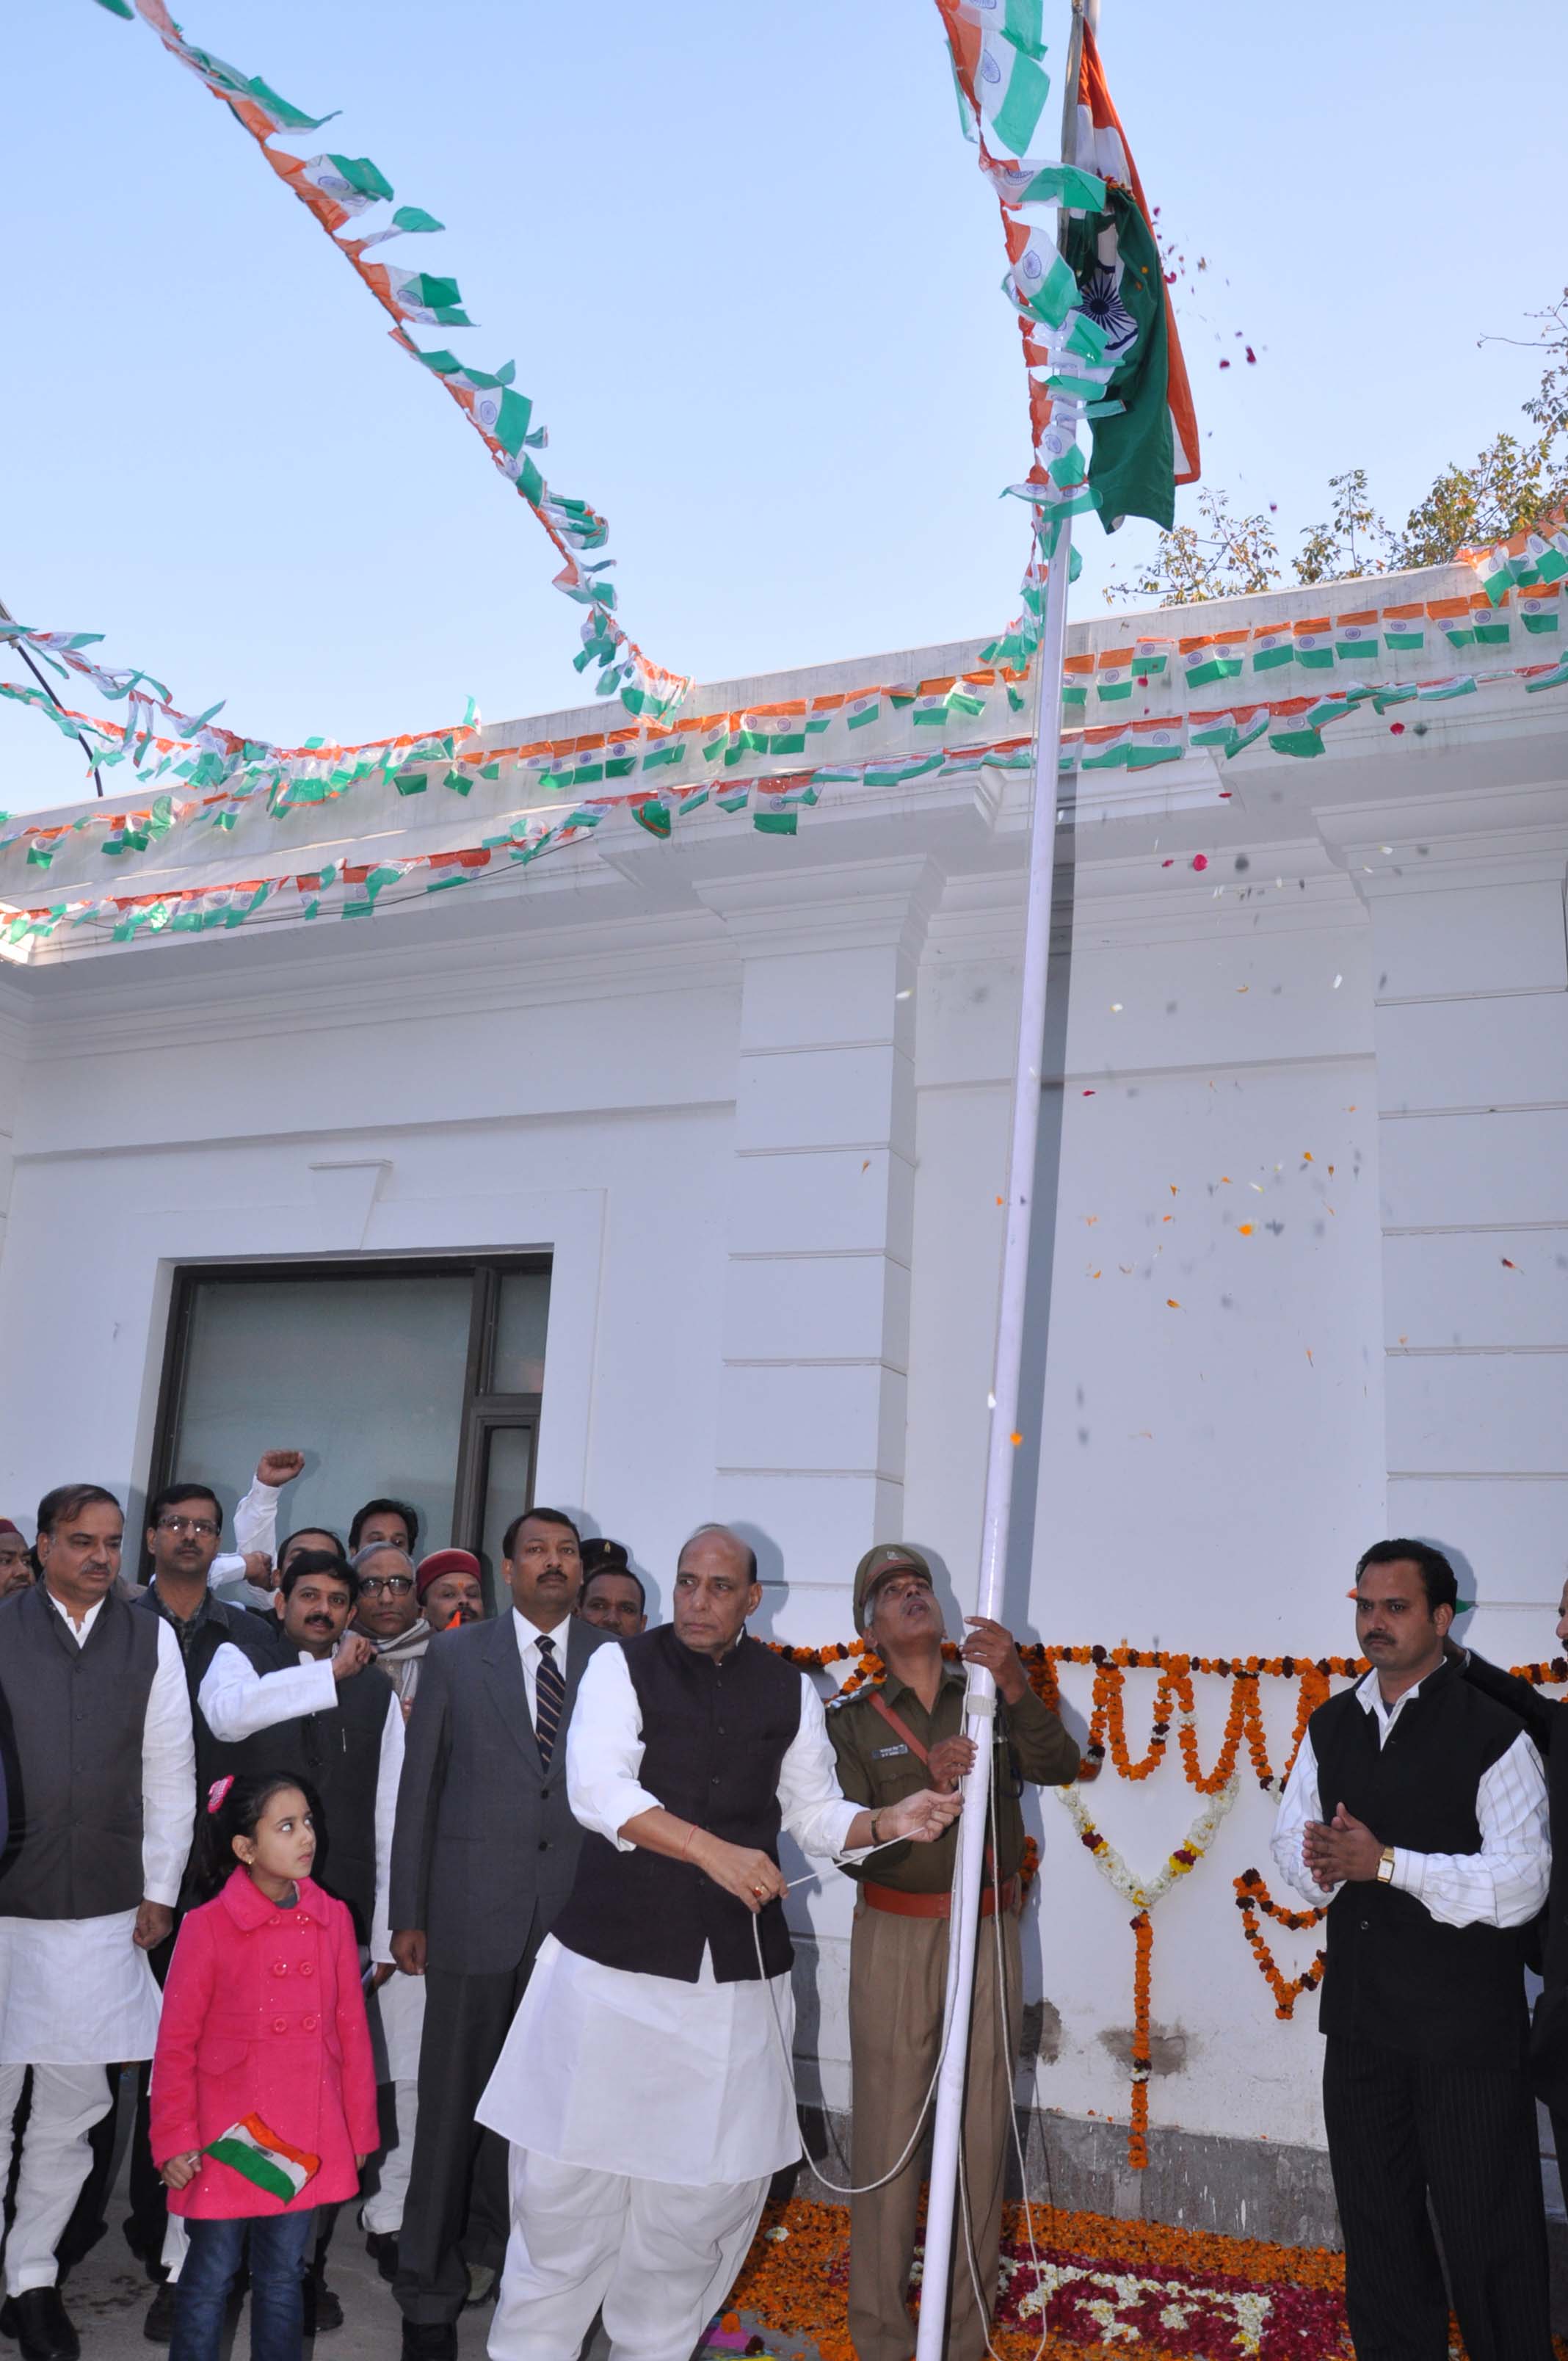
{"x":236,"y":1702}
{"x":76,"y":1992}
{"x":644,"y":2075}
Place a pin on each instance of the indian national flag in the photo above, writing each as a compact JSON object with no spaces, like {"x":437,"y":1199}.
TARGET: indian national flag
{"x":1272,"y":649}
{"x":1539,"y":610}
{"x":1491,"y":623}
{"x":1454,"y":619}
{"x":1314,"y":644}
{"x":1077,"y":672}
{"x":1404,"y":630}
{"x":253,"y":2149}
{"x":1215,"y":655}
{"x":1011,"y":84}
{"x":1151,"y":657}
{"x":1356,"y":636}
{"x":1151,"y":445}
{"x":1113,"y":678}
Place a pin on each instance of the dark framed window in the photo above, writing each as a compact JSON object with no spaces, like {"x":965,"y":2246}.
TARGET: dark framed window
{"x":420,"y":1379}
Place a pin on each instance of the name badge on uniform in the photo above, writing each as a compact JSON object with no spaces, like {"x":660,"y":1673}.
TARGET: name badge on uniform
{"x":886,"y":1753}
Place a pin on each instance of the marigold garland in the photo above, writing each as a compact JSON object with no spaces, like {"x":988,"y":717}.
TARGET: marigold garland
{"x":1175,"y":1707}
{"x":1253,"y":1896}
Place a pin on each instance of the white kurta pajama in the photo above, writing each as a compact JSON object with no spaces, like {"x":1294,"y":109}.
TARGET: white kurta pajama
{"x":646,"y":2115}
{"x":77,"y":1997}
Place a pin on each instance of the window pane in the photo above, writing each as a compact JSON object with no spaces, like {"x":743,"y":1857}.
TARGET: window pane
{"x":508,"y":1483}
{"x":516,"y":1365}
{"x":364,"y":1376}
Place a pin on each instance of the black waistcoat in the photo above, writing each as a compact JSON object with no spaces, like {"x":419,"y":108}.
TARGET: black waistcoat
{"x":223,"y":1626}
{"x":337,"y":1755}
{"x":74,"y":1717}
{"x":714,"y":1736}
{"x":1395,"y":1976}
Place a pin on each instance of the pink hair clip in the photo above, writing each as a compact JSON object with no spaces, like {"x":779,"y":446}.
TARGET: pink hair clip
{"x":216,"y":1793}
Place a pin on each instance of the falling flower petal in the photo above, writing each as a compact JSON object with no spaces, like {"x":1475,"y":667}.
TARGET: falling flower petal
{"x":1396,"y":730}
{"x":1507,"y":1265}
{"x":1199,"y":860}
{"x":1172,"y":1304}
{"x":1089,"y":1094}
{"x":1305,"y":1156}
{"x":1015,"y":1440}
{"x":1337,"y":980}
{"x":1244,"y":1230}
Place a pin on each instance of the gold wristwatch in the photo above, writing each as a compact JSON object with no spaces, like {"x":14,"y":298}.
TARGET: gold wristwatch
{"x":1386,"y":1866}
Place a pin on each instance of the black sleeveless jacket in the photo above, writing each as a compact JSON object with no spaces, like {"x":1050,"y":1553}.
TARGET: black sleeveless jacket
{"x":714,"y":1738}
{"x":1395,"y":1975}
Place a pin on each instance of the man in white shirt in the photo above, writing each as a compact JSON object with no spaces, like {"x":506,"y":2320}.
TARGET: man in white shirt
{"x":483,"y":1859}
{"x":98,"y":1726}
{"x":244,"y":1574}
{"x":646,"y":2085}
{"x":1414,"y":1813}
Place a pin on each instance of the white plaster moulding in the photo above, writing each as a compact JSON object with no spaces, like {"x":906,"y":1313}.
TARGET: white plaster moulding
{"x":345,"y":1135}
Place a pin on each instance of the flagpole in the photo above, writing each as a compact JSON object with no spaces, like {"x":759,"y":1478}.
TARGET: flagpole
{"x":1001,"y":1456}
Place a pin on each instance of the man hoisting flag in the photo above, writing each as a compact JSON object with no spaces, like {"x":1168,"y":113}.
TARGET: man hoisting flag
{"x":645,"y":2085}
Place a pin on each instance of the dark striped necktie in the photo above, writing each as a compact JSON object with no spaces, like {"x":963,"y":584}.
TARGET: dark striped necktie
{"x":549,"y":1700}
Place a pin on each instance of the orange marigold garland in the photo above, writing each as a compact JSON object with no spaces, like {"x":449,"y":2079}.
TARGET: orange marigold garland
{"x":1253,"y":1898}
{"x":1138,"y":2122}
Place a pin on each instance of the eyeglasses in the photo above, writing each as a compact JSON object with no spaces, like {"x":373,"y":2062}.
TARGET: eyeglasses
{"x":203,"y":1525}
{"x":397,"y":1583}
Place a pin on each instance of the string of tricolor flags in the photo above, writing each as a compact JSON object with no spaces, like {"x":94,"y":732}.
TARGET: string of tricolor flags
{"x":1522,"y":595}
{"x":337,"y":189}
{"x":1292,"y":726}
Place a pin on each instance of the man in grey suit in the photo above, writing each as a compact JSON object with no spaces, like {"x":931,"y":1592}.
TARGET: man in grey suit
{"x":483,"y":1859}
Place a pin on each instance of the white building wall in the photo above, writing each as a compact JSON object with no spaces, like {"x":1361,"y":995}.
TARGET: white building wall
{"x":752,"y":1096}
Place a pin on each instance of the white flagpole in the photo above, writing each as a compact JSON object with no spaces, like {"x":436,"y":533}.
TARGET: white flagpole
{"x":1001,"y":1454}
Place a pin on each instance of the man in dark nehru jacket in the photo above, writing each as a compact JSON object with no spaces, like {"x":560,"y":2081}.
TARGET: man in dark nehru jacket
{"x":1416,"y":1811}
{"x":95,"y":1727}
{"x":905,"y":1733}
{"x":645,"y":2085}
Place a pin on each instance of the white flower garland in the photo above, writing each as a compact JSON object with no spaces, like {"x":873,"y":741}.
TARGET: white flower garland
{"x":1143,"y":1893}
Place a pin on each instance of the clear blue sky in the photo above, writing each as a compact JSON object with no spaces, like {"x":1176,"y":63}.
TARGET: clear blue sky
{"x":750,"y":275}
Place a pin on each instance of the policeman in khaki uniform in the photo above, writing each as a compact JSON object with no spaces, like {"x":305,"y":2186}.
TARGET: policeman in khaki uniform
{"x":890,"y":1740}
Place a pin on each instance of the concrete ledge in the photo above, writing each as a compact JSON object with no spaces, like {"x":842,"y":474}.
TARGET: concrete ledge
{"x":1244,"y":2189}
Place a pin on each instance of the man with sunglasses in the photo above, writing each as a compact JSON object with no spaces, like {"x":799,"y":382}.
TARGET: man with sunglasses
{"x":891,"y":1740}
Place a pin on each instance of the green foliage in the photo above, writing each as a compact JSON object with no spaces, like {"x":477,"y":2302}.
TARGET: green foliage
{"x":1234,"y":556}
{"x":1511,"y":484}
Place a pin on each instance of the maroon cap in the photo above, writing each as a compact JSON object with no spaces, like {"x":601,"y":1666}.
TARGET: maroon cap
{"x":7,"y":1527}
{"x":447,"y":1561}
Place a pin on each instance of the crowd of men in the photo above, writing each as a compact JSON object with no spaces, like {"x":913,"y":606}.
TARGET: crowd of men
{"x":557,"y":1832}
{"x":473,"y":1795}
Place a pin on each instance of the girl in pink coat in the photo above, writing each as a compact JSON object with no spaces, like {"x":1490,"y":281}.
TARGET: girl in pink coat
{"x":263,"y":2090}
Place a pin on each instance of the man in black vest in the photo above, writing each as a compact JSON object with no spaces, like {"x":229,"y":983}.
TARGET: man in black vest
{"x":95,"y":1725}
{"x":326,"y":1713}
{"x":483,"y":1859}
{"x":1416,"y":1811}
{"x":646,"y":2085}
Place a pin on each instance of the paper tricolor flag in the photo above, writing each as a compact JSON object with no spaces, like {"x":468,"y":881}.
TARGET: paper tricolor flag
{"x":254,"y":2149}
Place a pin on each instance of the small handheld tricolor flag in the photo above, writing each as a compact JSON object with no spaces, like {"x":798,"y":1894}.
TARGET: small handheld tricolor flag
{"x":252,"y":2148}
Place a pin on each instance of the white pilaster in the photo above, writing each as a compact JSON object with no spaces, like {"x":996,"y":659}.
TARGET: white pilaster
{"x":1470,"y":978}
{"x":811,"y":1429}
